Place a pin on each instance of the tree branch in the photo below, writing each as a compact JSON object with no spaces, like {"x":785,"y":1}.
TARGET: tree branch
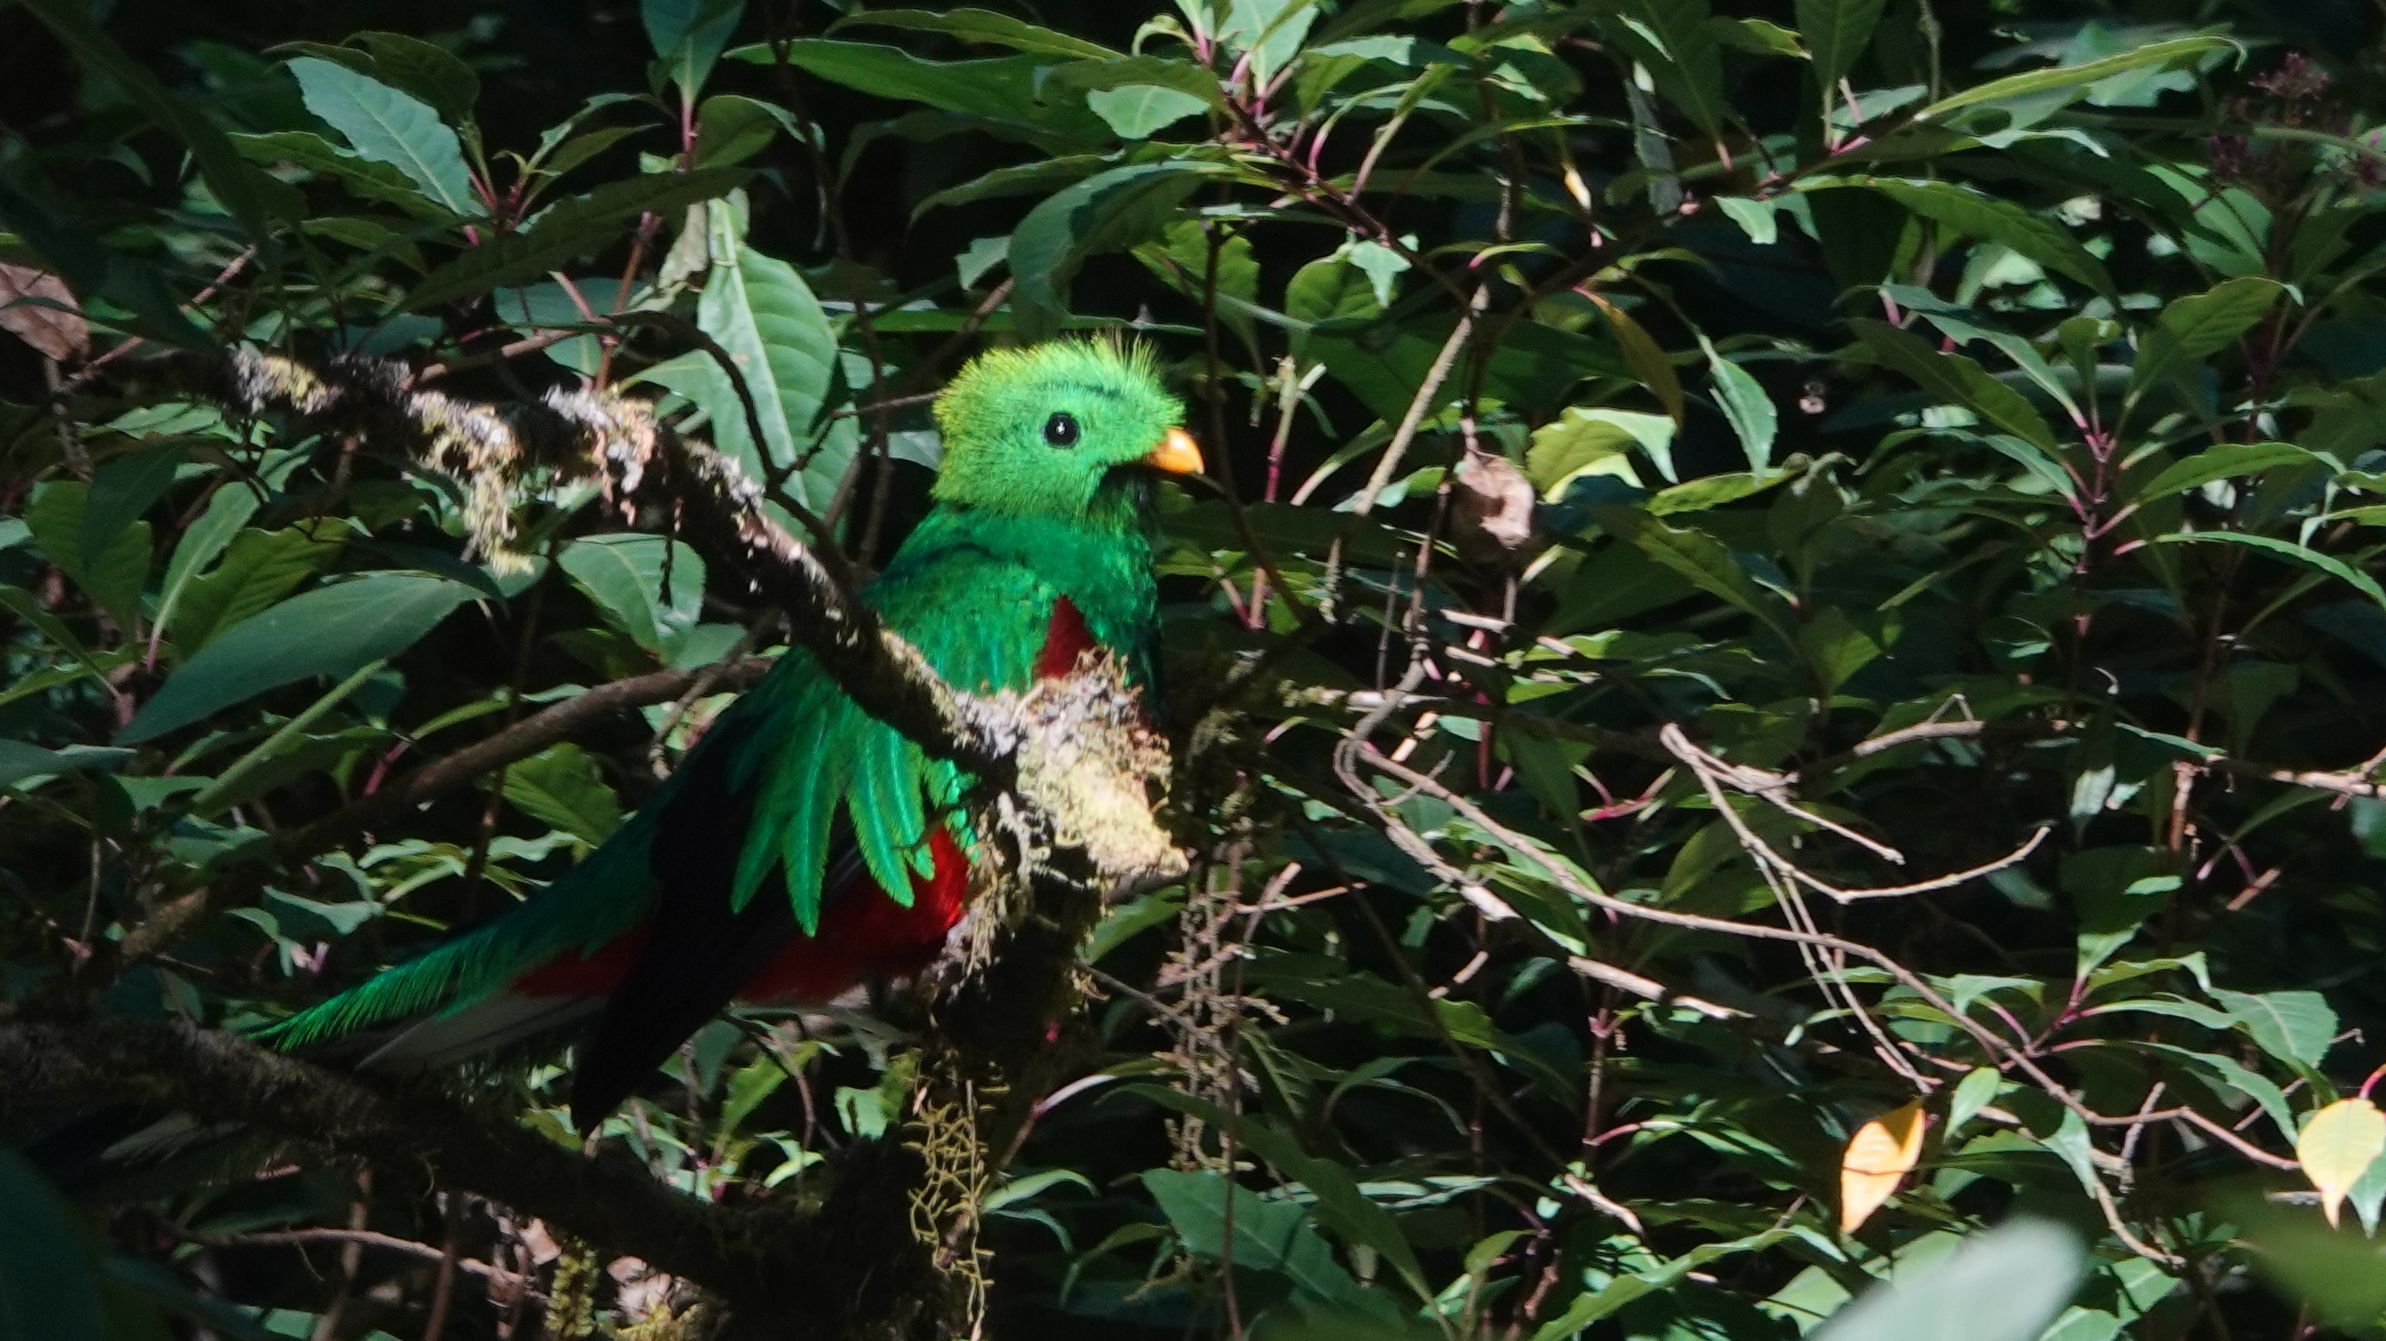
{"x":801,"y":1270}
{"x":617,"y":443}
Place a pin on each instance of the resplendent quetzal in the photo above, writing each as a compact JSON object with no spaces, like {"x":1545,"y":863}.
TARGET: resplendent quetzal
{"x":761,"y":870}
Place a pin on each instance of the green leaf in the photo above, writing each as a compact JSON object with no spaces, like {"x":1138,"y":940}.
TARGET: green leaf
{"x":1341,"y":1204}
{"x":1594,"y":1304}
{"x":561,"y":788}
{"x":1258,"y":1234}
{"x":1328,"y":289}
{"x":1597,"y":441}
{"x":1675,"y":41}
{"x":1648,"y":360}
{"x":366,"y":177}
{"x":2200,"y":325}
{"x":1973,"y":1093}
{"x":111,"y":566}
{"x":1836,"y":33}
{"x":2226,"y":461}
{"x":1745,"y":407}
{"x":1182,"y":257}
{"x":2074,"y":81}
{"x":565,"y":231}
{"x":1982,"y":216}
{"x":1106,"y":212}
{"x":981,"y":25}
{"x":2005,"y":1284}
{"x":763,"y":313}
{"x":1268,"y":31}
{"x":2294,"y":1027}
{"x":1966,"y":325}
{"x":731,"y":128}
{"x":260,"y":568}
{"x":425,"y":69}
{"x":324,"y":633}
{"x":624,"y":575}
{"x":689,"y":36}
{"x":1135,"y":111}
{"x":20,"y":760}
{"x":390,"y":127}
{"x":1957,"y":380}
{"x":1003,"y":90}
{"x":1702,"y":559}
{"x":2285,"y":549}
{"x":1836,"y":646}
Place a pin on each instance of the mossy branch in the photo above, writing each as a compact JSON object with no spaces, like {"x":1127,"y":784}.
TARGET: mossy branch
{"x":496,"y":451}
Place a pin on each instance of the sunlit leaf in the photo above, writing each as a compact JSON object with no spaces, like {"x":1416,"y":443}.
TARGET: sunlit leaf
{"x":1878,"y":1157}
{"x":2337,"y":1145}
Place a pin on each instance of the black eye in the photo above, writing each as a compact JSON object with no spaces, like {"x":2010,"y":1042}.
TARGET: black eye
{"x":1061,"y":430}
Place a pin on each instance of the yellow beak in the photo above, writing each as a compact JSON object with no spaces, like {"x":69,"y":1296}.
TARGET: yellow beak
{"x":1177,"y":454}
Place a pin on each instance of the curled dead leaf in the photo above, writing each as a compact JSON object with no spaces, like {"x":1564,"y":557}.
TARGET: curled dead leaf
{"x":1495,"y":508}
{"x":38,"y":308}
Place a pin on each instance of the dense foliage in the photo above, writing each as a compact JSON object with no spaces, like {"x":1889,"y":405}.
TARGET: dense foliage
{"x":1763,"y":568}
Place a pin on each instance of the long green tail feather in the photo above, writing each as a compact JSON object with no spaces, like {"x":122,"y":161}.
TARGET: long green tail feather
{"x":600,"y":900}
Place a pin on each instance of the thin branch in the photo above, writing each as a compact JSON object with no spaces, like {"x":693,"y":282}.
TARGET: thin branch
{"x":563,"y":721}
{"x":494,"y":1275}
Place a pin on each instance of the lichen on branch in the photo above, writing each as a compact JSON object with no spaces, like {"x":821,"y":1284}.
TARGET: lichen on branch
{"x":1066,"y":772}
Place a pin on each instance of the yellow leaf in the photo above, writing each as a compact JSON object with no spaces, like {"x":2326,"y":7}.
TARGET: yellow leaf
{"x":2337,"y":1146}
{"x":1882,"y":1152}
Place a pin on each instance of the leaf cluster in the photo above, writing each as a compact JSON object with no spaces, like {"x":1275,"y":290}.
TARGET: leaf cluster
{"x":1769,"y":577}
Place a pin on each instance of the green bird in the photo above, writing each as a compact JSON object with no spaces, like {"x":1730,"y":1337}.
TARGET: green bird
{"x":804,"y":847}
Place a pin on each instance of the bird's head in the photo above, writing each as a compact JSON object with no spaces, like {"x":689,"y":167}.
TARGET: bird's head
{"x":1047,"y":429}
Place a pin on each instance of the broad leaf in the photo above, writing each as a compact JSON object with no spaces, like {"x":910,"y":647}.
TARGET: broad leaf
{"x":2337,"y":1146}
{"x":322,"y":633}
{"x":388,"y":126}
{"x":625,"y":575}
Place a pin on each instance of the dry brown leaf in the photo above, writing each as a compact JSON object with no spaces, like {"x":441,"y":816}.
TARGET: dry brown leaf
{"x":1879,"y":1156}
{"x":56,"y":332}
{"x":1495,"y":508}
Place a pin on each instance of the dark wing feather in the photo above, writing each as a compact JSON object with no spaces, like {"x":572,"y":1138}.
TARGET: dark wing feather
{"x":698,"y":951}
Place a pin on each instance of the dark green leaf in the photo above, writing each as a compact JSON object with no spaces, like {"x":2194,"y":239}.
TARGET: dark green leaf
{"x":982,"y":25}
{"x":2198,"y":326}
{"x":389,"y":126}
{"x":1106,"y":212}
{"x":1836,"y":32}
{"x":430,"y":72}
{"x":560,"y":788}
{"x":251,"y":200}
{"x":2226,"y":461}
{"x":2288,"y":550}
{"x":1956,"y":380}
{"x":1257,"y":1233}
{"x":323,"y":633}
{"x":624,"y":575}
{"x":689,"y":36}
{"x":110,"y":564}
{"x":765,"y":316}
{"x":49,"y":1273}
{"x":565,"y":231}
